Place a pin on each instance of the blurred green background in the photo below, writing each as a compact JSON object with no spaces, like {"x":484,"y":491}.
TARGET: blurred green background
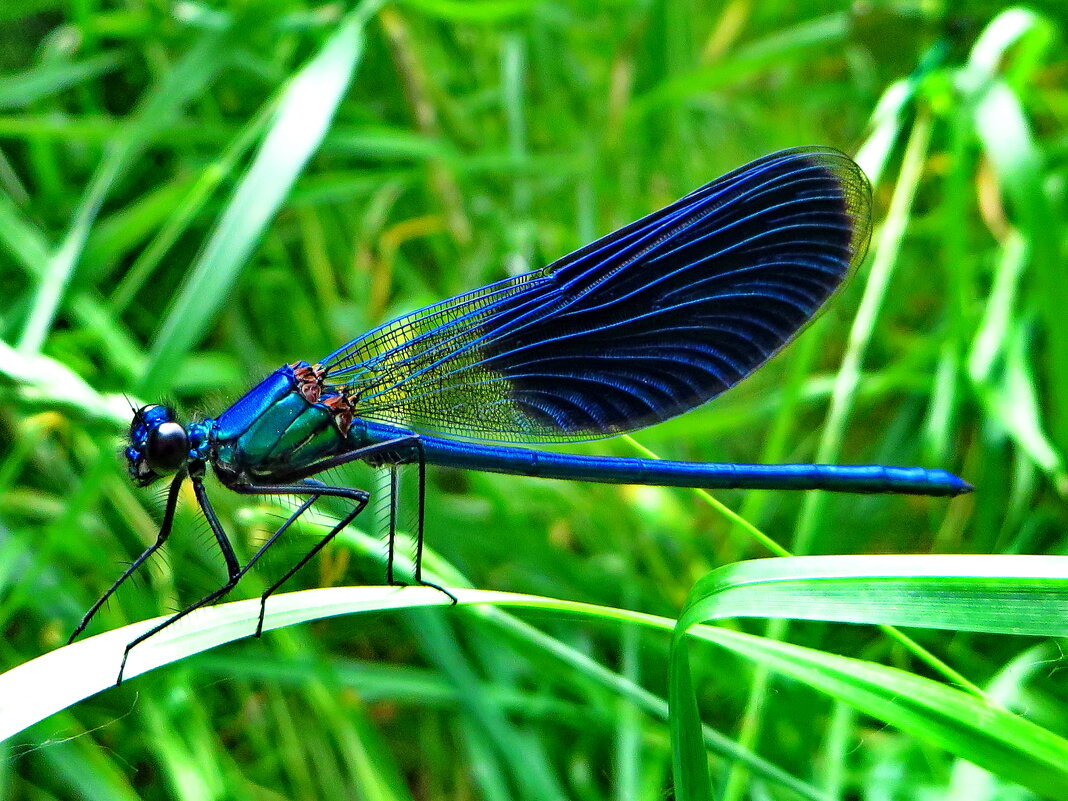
{"x":194,"y":193}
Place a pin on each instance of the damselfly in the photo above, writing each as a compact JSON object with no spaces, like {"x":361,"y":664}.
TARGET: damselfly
{"x":639,"y":326}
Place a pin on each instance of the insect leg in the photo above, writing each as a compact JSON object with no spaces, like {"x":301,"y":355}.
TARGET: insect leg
{"x":233,"y":570}
{"x":161,"y":537}
{"x":393,"y":491}
{"x":316,"y":489}
{"x":371,"y":454}
{"x":419,"y":528}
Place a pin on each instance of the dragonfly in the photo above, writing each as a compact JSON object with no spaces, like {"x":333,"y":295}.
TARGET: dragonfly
{"x":639,"y":326}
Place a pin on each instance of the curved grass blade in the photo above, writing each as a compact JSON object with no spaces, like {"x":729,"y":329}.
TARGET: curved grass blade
{"x":996,"y":740}
{"x":52,"y":682}
{"x":967,"y":726}
{"x":999,"y":594}
{"x":1005,"y":133}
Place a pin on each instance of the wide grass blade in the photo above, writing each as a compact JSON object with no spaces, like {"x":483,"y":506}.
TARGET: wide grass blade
{"x":999,"y":741}
{"x":54,"y":681}
{"x":974,"y":593}
{"x":1002,"y":594}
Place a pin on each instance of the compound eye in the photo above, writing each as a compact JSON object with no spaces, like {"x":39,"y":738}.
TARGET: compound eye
{"x":168,"y":447}
{"x":144,"y":418}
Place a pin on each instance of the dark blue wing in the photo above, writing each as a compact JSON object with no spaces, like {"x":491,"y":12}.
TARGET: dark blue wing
{"x":641,"y":325}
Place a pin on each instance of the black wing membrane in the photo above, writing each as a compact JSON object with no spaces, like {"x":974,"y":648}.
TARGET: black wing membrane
{"x":636,"y":327}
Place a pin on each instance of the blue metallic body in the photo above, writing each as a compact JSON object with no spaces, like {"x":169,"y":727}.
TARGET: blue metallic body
{"x":639,"y":326}
{"x":706,"y":475}
{"x":273,"y":432}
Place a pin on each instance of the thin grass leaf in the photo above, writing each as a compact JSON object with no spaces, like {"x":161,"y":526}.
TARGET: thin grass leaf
{"x":26,"y":244}
{"x":1013,"y":399}
{"x":886,"y":124}
{"x":45,"y":383}
{"x":1010,"y":689}
{"x":1003,"y":127}
{"x":485,"y":11}
{"x":304,"y":113}
{"x":22,"y":89}
{"x":193,"y":202}
{"x":160,"y":106}
{"x":529,"y":772}
{"x":798,"y":42}
{"x":77,"y":762}
{"x":994,"y":739}
{"x":193,"y":771}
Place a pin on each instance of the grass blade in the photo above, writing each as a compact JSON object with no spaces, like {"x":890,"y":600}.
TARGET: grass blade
{"x":304,"y":112}
{"x":994,"y":739}
{"x":19,"y":91}
{"x":159,"y":108}
{"x":1004,"y":594}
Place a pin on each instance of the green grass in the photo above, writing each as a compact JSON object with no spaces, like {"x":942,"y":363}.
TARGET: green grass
{"x":191,"y":195}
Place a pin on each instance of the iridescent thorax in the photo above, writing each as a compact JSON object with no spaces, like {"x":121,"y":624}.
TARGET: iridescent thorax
{"x":287,"y":422}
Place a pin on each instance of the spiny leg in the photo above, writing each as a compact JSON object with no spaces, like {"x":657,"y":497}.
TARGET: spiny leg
{"x":419,"y":529}
{"x":270,"y":541}
{"x":161,"y":537}
{"x":307,"y":487}
{"x":392,"y":547}
{"x":233,"y":570}
{"x":387,"y":449}
{"x":317,"y":490}
{"x":421,"y":515}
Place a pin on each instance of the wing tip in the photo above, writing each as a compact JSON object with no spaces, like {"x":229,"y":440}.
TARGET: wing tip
{"x":855,"y":187}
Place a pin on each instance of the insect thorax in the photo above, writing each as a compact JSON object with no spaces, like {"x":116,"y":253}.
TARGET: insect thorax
{"x":288,"y":422}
